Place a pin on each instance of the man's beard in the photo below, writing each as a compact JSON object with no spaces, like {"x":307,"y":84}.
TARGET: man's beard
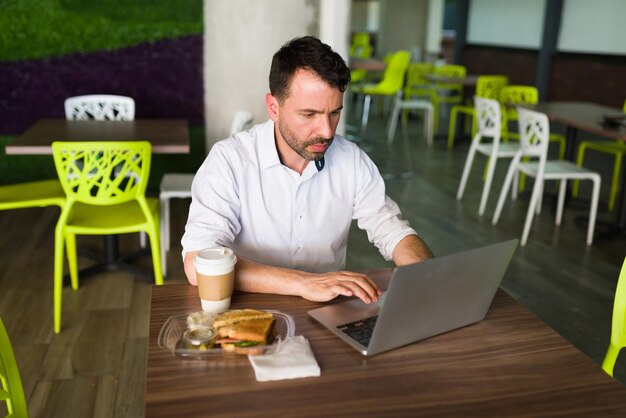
{"x":301,"y":147}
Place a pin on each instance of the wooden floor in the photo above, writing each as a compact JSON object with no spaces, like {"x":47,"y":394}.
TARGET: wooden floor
{"x":95,"y":367}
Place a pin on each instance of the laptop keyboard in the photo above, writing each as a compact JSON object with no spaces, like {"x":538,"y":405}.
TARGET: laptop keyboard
{"x":360,"y":330}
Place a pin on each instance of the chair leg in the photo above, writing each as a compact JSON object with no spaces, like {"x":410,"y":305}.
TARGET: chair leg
{"x":534,"y":199}
{"x":539,"y":199}
{"x":367,"y":100}
{"x":466,"y":170}
{"x":561,"y":202}
{"x":428,"y":124}
{"x":593,"y":211}
{"x":615,"y":181}
{"x":579,"y":163}
{"x":610,"y":358}
{"x":510,"y":174}
{"x":58,"y":277}
{"x":435,"y":116}
{"x":393,"y":121}
{"x":72,"y":259}
{"x":452,"y":127}
{"x":487,"y":185}
{"x":153,"y":234}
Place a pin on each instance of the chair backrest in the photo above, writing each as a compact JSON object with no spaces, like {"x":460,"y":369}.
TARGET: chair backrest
{"x":489,"y":86}
{"x":415,"y":81}
{"x":11,"y":389}
{"x":393,"y":78}
{"x":103,"y":173}
{"x":534,"y":129}
{"x":450,"y":71}
{"x":100,"y":107}
{"x":515,"y":94}
{"x":489,"y":118}
{"x":360,"y":46}
{"x":361,"y":38}
{"x":241,"y":121}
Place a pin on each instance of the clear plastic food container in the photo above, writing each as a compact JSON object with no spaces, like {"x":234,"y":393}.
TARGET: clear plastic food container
{"x":176,"y":337}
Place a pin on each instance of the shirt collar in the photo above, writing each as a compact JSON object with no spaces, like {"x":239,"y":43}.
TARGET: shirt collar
{"x":268,"y":154}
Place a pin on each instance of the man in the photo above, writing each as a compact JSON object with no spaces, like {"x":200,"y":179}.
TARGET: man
{"x":283,"y":194}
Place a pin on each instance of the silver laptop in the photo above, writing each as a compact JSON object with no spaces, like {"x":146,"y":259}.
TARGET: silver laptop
{"x":422,"y":300}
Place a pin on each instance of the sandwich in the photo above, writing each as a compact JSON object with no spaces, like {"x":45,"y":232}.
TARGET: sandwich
{"x":244,"y":331}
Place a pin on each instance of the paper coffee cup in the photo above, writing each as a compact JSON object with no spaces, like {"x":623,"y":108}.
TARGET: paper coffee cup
{"x":215,"y":271}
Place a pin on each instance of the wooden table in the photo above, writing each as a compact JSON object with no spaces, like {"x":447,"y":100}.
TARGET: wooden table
{"x":509,"y":365}
{"x":586,"y":117}
{"x":167,"y":136}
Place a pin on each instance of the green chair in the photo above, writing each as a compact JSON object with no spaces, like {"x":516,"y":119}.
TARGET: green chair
{"x":446,"y":92}
{"x":105,"y":184}
{"x":389,"y":86}
{"x":488,"y":87}
{"x":11,"y":389}
{"x":618,"y":326}
{"x":617,"y":148}
{"x":359,"y":39}
{"x":416,"y":85}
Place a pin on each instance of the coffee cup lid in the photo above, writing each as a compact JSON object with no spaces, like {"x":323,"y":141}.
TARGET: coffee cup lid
{"x":216,"y":257}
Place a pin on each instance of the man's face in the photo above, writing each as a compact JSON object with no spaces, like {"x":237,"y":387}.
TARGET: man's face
{"x":307,"y":118}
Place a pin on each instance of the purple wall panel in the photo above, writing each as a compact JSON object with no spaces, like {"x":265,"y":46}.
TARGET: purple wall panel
{"x":164,"y":78}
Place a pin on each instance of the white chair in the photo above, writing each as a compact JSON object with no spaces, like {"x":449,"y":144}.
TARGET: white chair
{"x":489,"y":126}
{"x":178,"y":186}
{"x":416,"y":104}
{"x":100,"y":107}
{"x":534,"y":136}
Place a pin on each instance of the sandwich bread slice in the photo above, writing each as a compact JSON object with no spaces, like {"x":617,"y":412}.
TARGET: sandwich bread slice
{"x":239,"y":315}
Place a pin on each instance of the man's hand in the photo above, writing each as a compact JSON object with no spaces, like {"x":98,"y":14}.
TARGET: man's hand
{"x":327,"y":286}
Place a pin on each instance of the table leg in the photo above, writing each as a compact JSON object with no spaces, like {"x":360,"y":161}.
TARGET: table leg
{"x":112,"y":260}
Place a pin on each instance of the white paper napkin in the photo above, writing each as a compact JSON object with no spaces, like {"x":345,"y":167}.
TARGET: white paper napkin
{"x":292,"y":359}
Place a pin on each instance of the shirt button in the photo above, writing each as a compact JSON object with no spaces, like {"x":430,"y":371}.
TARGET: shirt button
{"x":299,"y":216}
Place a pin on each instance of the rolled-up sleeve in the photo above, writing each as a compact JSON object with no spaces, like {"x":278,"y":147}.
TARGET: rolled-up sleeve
{"x":375,"y":212}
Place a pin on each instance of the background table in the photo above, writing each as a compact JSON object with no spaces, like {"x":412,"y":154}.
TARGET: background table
{"x":167,"y":136}
{"x":509,"y":365}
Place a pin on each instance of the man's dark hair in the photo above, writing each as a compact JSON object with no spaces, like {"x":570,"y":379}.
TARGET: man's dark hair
{"x":308,"y":53}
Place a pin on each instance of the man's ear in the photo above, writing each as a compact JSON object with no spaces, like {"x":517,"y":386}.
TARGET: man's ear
{"x":272,"y":106}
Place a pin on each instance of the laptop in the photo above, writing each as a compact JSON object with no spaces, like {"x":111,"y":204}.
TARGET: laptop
{"x":422,"y":300}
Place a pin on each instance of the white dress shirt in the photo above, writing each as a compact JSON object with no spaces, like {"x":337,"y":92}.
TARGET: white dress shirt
{"x":245,"y":199}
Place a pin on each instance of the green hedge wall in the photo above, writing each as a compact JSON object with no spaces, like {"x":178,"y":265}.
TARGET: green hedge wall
{"x":33,"y":29}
